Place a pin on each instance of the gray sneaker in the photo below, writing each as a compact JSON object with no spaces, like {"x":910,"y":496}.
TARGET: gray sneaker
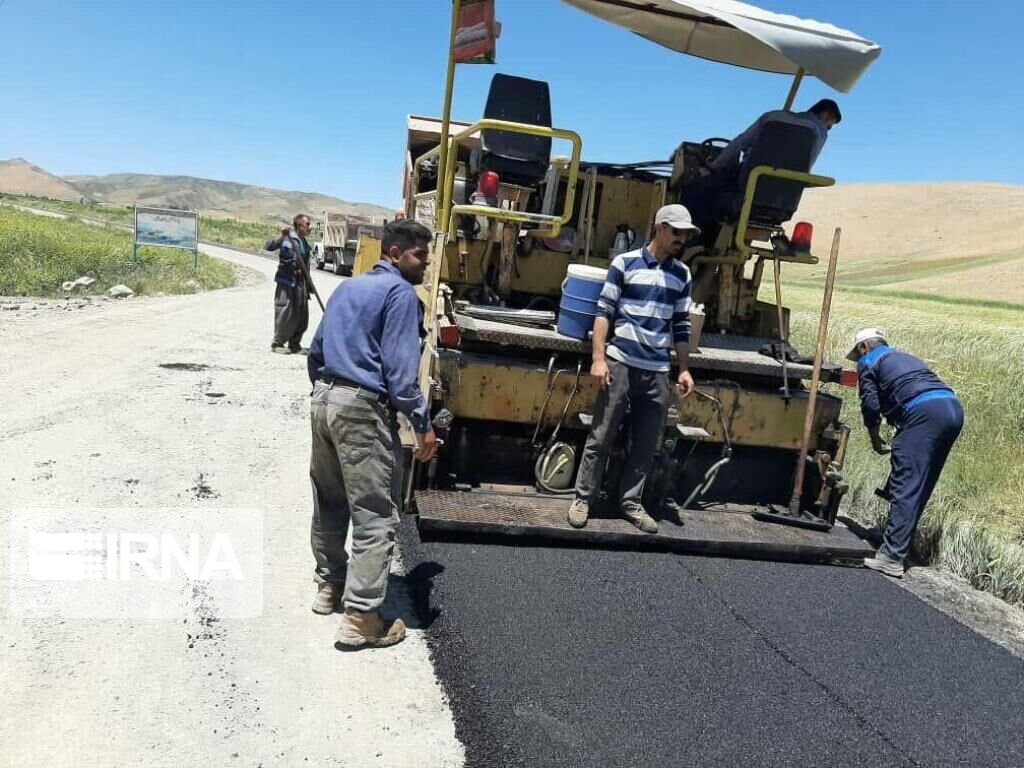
{"x":638,"y":516}
{"x":883,"y":563}
{"x":578,"y":513}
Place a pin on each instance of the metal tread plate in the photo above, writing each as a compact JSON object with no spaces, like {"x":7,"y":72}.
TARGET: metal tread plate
{"x":727,"y":354}
{"x":722,"y":531}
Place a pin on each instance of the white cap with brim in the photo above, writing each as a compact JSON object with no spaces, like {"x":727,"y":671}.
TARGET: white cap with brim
{"x":676,"y":216}
{"x":864,"y":334}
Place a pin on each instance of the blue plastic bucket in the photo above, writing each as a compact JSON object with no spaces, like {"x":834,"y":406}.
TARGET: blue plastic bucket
{"x":578,"y":307}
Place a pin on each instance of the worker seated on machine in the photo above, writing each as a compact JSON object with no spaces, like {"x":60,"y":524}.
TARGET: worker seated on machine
{"x":715,"y":197}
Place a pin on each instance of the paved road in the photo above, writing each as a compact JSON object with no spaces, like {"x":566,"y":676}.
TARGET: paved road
{"x":557,"y":657}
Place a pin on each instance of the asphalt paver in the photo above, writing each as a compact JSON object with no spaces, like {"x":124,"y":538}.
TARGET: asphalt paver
{"x":585,"y":657}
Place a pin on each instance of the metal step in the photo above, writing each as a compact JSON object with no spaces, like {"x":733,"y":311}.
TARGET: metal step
{"x":726,"y":531}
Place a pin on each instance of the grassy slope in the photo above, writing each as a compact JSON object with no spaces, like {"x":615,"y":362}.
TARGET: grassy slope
{"x":38,"y":254}
{"x":240,"y":234}
{"x":975,"y":522}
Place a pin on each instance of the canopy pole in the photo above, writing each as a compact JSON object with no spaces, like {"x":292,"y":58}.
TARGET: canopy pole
{"x":446,"y":118}
{"x":794,"y":88}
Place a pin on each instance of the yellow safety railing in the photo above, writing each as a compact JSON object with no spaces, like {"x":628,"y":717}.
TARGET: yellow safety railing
{"x":807,"y":179}
{"x":446,"y":181}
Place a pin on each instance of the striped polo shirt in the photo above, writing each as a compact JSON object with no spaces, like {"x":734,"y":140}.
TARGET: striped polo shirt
{"x":648,"y":306}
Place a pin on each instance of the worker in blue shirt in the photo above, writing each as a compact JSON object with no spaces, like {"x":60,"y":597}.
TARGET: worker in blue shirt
{"x":928,"y":418}
{"x":364,"y":365}
{"x":714,"y":198}
{"x":820,"y":119}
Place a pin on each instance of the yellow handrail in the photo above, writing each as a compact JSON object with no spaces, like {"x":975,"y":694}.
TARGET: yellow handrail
{"x":807,"y":179}
{"x":446,"y":180}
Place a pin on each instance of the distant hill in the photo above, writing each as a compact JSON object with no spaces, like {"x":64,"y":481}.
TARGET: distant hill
{"x":217,"y":198}
{"x":19,"y":177}
{"x":954,"y":239}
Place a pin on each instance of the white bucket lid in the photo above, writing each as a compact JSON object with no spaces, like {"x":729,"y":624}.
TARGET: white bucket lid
{"x":586,"y":272}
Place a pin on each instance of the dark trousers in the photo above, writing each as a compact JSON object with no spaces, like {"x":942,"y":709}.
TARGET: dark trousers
{"x":646,"y":394}
{"x":291,"y":314}
{"x":712,"y":199}
{"x":919,"y":453}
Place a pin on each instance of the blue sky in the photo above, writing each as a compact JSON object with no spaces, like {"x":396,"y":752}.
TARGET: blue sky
{"x":313,"y":96}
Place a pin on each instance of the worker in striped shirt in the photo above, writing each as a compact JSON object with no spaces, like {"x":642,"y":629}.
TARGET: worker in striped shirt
{"x":645,"y":304}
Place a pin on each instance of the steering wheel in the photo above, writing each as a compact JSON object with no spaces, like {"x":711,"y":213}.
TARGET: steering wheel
{"x":708,"y":147}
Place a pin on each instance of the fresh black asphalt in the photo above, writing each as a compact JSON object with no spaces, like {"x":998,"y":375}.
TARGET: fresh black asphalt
{"x":584,"y":657}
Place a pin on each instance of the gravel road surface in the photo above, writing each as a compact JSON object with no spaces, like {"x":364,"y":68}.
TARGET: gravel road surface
{"x":178,"y":402}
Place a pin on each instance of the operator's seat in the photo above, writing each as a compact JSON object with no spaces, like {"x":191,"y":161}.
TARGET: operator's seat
{"x":779,"y":145}
{"x":516,"y":157}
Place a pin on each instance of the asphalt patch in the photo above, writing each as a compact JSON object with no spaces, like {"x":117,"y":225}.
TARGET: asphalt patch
{"x":185,"y":366}
{"x":563,"y":657}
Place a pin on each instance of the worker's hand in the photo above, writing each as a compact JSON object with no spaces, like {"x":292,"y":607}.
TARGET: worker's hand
{"x":684,"y":383}
{"x":599,"y":370}
{"x":879,"y":445}
{"x":426,"y":446}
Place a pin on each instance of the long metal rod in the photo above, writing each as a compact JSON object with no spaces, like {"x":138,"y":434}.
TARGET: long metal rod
{"x":826,"y":308}
{"x":791,"y":97}
{"x":782,"y":329}
{"x":446,"y":119}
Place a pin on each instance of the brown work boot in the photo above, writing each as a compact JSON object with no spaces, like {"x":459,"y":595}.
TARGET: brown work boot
{"x":638,"y":516}
{"x":328,"y":596}
{"x":578,"y":513}
{"x":362,"y":630}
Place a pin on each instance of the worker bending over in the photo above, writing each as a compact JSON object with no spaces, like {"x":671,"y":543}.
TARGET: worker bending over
{"x":646,"y":300}
{"x":928,"y":418}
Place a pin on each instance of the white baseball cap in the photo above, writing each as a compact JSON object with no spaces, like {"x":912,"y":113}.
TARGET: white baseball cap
{"x":864,"y":334}
{"x":675,"y":216}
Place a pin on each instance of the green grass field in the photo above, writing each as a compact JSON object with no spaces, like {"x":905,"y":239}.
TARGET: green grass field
{"x":37,"y":254}
{"x":248,"y":235}
{"x":974,"y":524}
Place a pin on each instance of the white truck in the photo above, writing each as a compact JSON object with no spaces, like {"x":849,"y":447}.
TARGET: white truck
{"x":339,"y":237}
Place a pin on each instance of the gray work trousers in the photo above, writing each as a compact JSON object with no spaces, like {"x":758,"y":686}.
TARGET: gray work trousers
{"x":291,"y":314}
{"x":356,"y":473}
{"x":646,"y":393}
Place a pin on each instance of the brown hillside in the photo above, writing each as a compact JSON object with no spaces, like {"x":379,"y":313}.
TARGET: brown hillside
{"x":20,"y":177}
{"x":217,"y":198}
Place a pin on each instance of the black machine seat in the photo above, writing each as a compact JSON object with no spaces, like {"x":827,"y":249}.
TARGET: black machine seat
{"x":516,"y":157}
{"x":779,"y":145}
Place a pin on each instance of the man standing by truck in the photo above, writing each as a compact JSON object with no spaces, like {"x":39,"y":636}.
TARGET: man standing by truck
{"x":928,"y":418}
{"x":646,"y":302}
{"x":291,"y":295}
{"x":364,"y":365}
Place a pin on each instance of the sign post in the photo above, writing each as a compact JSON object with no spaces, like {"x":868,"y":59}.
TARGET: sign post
{"x":167,"y":228}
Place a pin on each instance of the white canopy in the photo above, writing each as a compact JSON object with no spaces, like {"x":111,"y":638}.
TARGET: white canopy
{"x":741,"y":34}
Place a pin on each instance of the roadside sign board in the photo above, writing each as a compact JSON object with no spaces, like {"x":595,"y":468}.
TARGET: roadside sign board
{"x":167,"y":228}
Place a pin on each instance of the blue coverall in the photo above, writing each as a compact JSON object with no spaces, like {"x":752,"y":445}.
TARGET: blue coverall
{"x":928,"y":418}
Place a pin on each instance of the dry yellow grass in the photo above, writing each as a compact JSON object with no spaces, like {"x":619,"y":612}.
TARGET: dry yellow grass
{"x":957,"y":240}
{"x":929,"y":221}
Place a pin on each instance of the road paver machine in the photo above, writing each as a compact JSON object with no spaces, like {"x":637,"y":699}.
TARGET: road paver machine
{"x":511,"y":395}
